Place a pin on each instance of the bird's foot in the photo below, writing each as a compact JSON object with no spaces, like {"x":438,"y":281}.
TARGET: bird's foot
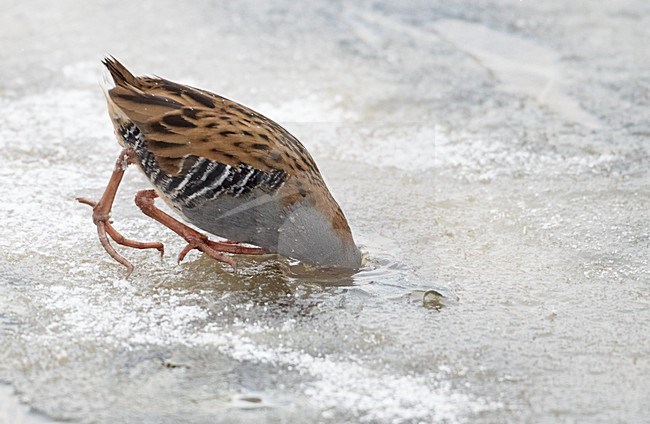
{"x":102,"y":210}
{"x":195,"y":240}
{"x":104,"y":229}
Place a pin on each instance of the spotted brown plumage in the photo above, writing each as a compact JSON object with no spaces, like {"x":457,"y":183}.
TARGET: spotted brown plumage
{"x":226,"y":169}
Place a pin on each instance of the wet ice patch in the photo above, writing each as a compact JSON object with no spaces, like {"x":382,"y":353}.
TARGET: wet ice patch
{"x":521,"y":65}
{"x":117,"y":313}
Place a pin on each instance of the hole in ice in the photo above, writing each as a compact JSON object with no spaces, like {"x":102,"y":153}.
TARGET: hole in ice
{"x":243,"y":401}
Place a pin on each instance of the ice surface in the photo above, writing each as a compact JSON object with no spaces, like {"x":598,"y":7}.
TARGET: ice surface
{"x":494,"y":152}
{"x":521,"y":65}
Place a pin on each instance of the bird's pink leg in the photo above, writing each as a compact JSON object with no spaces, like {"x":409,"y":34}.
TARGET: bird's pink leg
{"x":195,"y":240}
{"x":102,"y":211}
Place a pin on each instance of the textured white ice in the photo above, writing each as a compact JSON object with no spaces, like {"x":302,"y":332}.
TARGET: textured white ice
{"x":496,"y":153}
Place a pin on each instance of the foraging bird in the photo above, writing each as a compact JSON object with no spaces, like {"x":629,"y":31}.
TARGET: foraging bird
{"x":224,"y":168}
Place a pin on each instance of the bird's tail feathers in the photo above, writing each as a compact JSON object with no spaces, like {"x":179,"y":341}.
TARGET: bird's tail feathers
{"x":121,"y":76}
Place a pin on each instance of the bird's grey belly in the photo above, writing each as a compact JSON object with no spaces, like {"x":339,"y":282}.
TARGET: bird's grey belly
{"x":299,"y":232}
{"x":253,"y":219}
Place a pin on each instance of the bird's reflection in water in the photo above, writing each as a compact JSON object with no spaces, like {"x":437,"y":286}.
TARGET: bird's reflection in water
{"x":267,"y":284}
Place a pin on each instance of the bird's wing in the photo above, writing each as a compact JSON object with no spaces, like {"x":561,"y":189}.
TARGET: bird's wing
{"x":179,"y":120}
